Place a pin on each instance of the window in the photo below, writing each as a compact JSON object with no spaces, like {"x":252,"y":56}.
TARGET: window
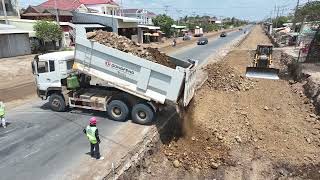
{"x":33,"y":68}
{"x":43,"y":67}
{"x":51,"y":64}
{"x":70,"y":64}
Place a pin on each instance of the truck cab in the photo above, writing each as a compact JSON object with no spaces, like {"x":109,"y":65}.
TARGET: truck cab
{"x":50,"y":70}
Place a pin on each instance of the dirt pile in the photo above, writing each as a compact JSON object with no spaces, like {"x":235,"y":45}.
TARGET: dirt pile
{"x":197,"y":152}
{"x":124,"y":44}
{"x":222,"y":76}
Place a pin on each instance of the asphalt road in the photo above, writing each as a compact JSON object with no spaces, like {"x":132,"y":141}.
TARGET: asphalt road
{"x":202,"y":52}
{"x":41,"y":144}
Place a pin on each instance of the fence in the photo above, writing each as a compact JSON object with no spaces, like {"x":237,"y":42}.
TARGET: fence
{"x":314,"y":49}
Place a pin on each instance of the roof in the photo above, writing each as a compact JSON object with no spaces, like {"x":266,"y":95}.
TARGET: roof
{"x":61,"y":4}
{"x":134,"y":11}
{"x":90,"y":2}
{"x":124,"y":19}
{"x":178,"y":27}
{"x":9,"y":29}
{"x":149,"y":27}
{"x":90,"y":25}
{"x":61,"y":55}
{"x":14,"y":31}
{"x":6,"y":26}
{"x":73,"y":4}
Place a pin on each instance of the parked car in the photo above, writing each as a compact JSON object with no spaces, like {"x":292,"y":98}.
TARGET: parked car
{"x":202,"y":41}
{"x":186,"y":37}
{"x":223,"y":34}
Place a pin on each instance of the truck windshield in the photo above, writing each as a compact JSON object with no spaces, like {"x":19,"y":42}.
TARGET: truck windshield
{"x":43,"y":67}
{"x":70,"y":64}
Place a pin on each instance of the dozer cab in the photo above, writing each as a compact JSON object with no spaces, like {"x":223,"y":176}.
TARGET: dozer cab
{"x":262,"y":64}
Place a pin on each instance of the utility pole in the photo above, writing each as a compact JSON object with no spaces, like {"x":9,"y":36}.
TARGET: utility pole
{"x":295,"y":17}
{"x":277,"y":17}
{"x":17,"y":4}
{"x":5,"y":12}
{"x":179,"y":13}
{"x":57,"y":12}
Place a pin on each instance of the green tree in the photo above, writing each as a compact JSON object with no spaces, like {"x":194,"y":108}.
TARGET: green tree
{"x":47,"y":31}
{"x":278,"y":22}
{"x":164,"y":22}
{"x":310,"y":11}
{"x":210,"y":27}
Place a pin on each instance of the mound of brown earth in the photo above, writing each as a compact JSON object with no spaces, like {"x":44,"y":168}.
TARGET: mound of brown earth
{"x":202,"y":150}
{"x":222,"y":76}
{"x":124,"y":44}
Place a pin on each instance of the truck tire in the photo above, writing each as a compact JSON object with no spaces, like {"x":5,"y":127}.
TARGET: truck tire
{"x":57,"y":103}
{"x":118,"y":110}
{"x":142,"y":114}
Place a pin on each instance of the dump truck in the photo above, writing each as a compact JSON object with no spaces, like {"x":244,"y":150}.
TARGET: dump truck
{"x":262,"y":65}
{"x":101,"y":78}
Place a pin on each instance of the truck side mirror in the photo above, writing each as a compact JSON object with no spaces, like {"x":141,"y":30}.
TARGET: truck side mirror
{"x":34,"y":67}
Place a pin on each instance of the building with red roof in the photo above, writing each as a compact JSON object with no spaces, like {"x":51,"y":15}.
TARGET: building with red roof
{"x":48,"y":9}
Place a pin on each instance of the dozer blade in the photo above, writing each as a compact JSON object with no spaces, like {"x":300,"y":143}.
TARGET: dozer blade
{"x":263,"y":73}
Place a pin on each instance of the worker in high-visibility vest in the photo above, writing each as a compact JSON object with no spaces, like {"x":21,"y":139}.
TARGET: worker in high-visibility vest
{"x":93,"y":135}
{"x":2,"y":113}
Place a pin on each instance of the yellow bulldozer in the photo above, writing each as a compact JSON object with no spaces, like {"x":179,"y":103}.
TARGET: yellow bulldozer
{"x":262,"y":65}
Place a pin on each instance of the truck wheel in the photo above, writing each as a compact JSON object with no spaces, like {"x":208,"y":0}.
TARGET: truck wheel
{"x":142,"y":114}
{"x":57,"y":103}
{"x":118,"y":110}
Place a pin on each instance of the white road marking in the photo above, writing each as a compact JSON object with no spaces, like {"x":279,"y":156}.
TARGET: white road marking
{"x":31,"y":153}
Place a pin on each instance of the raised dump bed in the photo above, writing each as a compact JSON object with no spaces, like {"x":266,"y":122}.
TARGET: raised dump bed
{"x":135,"y":75}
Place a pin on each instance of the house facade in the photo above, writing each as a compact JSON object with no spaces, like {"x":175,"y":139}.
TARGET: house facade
{"x":145,"y":16}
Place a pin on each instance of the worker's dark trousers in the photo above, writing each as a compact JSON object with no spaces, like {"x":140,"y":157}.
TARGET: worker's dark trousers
{"x":94,"y":150}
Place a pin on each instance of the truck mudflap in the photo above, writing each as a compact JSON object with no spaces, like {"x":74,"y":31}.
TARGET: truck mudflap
{"x":190,"y":85}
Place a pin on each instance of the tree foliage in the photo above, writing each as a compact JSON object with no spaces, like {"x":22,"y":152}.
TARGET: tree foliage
{"x":228,"y":22}
{"x":310,"y":11}
{"x":210,"y":27}
{"x":278,"y":22}
{"x":47,"y":30}
{"x":164,"y":22}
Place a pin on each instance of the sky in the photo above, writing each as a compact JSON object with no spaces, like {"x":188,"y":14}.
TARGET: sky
{"x":243,"y":9}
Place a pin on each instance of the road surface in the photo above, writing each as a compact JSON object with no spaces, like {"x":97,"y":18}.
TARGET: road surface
{"x":202,"y":52}
{"x":41,"y":144}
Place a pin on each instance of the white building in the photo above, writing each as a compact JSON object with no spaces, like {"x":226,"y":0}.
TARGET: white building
{"x":144,"y":15}
{"x":103,"y":6}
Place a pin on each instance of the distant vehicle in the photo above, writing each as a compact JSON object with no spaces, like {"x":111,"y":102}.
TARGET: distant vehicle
{"x":240,"y":29}
{"x":223,"y":34}
{"x":186,"y":37}
{"x":202,"y":41}
{"x":198,"y":32}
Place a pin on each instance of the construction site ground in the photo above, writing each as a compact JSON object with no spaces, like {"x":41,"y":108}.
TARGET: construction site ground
{"x":238,"y":128}
{"x":42,"y":144}
{"x":16,"y":80}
